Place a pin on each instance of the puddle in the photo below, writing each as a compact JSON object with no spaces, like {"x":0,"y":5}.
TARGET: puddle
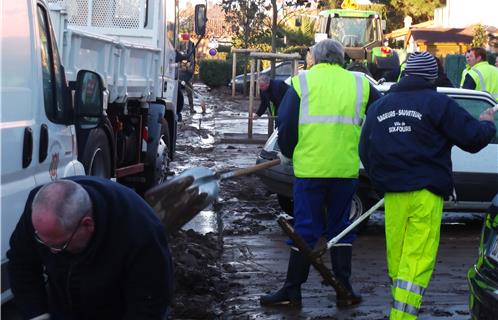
{"x":205,"y":222}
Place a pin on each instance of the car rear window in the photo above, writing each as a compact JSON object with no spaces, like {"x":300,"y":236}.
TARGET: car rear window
{"x":475,"y":107}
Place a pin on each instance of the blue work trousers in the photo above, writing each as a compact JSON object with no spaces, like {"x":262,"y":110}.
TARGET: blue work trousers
{"x":322,"y":207}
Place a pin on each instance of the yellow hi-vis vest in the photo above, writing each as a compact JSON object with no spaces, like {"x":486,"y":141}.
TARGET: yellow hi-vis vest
{"x":332,"y":109}
{"x":486,"y":77}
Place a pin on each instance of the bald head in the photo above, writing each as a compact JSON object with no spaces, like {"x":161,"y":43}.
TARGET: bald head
{"x":63,"y":202}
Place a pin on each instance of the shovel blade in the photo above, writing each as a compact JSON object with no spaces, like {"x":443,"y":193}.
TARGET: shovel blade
{"x":207,"y":182}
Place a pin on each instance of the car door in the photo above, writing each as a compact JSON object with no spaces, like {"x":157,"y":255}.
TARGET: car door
{"x":476,"y":175}
{"x":18,"y":127}
{"x":56,"y":145}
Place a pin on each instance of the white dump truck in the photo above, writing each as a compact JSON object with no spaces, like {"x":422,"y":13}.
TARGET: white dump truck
{"x":86,"y":87}
{"x":131,"y":44}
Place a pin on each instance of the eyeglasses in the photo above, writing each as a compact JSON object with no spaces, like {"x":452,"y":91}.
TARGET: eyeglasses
{"x":61,"y":248}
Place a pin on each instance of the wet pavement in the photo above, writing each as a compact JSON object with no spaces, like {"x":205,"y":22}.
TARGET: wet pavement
{"x":254,"y":257}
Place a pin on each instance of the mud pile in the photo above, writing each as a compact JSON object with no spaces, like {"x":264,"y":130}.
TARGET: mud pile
{"x":199,"y":282}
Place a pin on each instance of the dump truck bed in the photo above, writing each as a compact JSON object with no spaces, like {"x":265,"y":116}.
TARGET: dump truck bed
{"x":131,"y":70}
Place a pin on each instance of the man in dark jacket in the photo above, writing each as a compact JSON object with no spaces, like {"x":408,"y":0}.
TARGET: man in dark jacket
{"x":405,"y":147}
{"x":101,"y":247}
{"x":271,"y":92}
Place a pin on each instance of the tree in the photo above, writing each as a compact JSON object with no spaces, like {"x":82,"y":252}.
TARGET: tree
{"x":245,"y":18}
{"x":419,"y":10}
{"x":186,"y":18}
{"x":480,"y":37}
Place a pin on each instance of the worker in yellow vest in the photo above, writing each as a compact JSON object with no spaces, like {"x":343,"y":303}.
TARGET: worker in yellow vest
{"x":482,"y":76}
{"x":320,"y":120}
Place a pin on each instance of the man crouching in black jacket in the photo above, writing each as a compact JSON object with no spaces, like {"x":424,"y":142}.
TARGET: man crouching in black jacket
{"x":101,"y":249}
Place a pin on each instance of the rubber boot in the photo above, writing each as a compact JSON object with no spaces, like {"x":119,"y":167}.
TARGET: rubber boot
{"x":341,"y":265}
{"x":290,"y":293}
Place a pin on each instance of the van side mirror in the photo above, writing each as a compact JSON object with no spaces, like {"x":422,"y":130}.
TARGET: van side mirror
{"x":200,"y":19}
{"x":90,"y":96}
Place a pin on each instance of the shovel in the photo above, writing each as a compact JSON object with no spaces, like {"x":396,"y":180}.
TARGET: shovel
{"x":315,"y":256}
{"x":180,"y":199}
{"x":326,"y":246}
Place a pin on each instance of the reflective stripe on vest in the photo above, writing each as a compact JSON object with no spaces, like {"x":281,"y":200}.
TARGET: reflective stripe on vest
{"x":305,"y":116}
{"x":481,"y":80}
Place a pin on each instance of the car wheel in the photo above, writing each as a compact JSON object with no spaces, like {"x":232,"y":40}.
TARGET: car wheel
{"x":286,"y":204}
{"x":359,"y":205}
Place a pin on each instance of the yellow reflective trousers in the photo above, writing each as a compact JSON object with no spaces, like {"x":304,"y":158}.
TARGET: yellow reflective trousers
{"x":412,"y":221}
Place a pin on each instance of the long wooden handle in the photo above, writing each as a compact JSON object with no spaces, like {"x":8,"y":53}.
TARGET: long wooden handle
{"x":249,"y":170}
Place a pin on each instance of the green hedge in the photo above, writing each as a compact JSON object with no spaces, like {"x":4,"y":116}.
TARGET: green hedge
{"x":215,"y":73}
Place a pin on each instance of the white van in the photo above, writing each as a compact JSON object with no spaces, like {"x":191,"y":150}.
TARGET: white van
{"x":38,"y":141}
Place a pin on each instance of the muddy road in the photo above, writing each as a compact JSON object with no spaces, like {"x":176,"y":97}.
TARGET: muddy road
{"x":236,"y":251}
{"x":254,"y":257}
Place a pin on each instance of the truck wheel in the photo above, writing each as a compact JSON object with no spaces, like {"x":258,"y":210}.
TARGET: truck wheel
{"x":157,"y":172}
{"x":97,"y":155}
{"x":286,"y":204}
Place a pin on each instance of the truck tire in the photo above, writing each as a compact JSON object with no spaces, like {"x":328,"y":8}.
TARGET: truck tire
{"x":157,"y":172}
{"x":97,"y":155}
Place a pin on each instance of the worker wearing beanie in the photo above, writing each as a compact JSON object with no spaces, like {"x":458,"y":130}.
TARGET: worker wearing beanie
{"x":405,"y":147}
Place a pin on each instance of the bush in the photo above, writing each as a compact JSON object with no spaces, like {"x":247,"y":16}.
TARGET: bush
{"x":215,"y":73}
{"x":224,"y":48}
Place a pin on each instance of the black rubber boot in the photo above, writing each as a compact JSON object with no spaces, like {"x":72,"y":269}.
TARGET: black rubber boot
{"x":290,"y":293}
{"x":341,"y":265}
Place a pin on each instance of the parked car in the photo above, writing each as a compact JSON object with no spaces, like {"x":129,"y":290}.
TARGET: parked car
{"x":475,"y":175}
{"x":283,"y":70}
{"x":483,"y":276}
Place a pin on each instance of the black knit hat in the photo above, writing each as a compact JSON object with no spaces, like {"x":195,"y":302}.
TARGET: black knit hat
{"x":422,"y":64}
